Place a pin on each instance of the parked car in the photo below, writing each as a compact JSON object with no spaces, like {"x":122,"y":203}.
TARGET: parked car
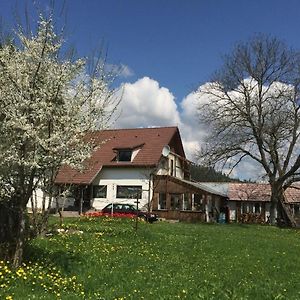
{"x":129,"y":209}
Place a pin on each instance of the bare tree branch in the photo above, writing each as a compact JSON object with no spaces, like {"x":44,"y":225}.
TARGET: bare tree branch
{"x":252,"y":110}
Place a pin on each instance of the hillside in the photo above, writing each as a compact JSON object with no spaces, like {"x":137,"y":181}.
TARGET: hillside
{"x":204,"y":174}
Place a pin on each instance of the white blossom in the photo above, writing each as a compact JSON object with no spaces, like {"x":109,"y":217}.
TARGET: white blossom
{"x":47,"y":105}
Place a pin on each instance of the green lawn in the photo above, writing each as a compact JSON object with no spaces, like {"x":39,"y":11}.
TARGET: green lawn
{"x":109,"y":260}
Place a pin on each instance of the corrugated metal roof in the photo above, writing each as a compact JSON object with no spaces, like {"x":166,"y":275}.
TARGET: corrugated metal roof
{"x":219,"y":189}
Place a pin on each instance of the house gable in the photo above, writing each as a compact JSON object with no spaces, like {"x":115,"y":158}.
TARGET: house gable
{"x":146,"y":145}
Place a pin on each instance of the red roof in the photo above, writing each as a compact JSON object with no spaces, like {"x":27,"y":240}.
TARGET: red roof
{"x":260,"y":192}
{"x":150,"y":141}
{"x":292,"y":194}
{"x":249,"y":191}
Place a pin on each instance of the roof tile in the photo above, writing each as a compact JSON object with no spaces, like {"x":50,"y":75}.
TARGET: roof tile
{"x":151,"y":140}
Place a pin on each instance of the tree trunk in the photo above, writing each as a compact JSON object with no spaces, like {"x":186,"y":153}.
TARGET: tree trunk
{"x":12,"y":232}
{"x":19,"y":238}
{"x":7,"y":221}
{"x":40,"y":216}
{"x":276,"y":198}
{"x":273,"y":210}
{"x":279,"y":213}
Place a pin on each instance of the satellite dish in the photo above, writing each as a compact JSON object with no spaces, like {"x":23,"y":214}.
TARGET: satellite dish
{"x":166,"y":151}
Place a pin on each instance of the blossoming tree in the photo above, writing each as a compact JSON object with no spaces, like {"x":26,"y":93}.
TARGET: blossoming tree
{"x":47,"y":104}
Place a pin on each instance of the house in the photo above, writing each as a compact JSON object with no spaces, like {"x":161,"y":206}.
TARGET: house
{"x":251,"y":202}
{"x":144,"y":164}
{"x":148,"y":165}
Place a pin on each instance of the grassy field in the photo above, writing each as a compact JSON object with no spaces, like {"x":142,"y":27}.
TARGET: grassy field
{"x":105,"y":258}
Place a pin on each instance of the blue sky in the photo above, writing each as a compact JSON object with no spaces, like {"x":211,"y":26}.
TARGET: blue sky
{"x":177,"y":43}
{"x":169,"y":47}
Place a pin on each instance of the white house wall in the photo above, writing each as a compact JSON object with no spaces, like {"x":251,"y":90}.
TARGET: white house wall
{"x":38,"y":199}
{"x":112,"y":177}
{"x":165,"y":166}
{"x":178,"y":168}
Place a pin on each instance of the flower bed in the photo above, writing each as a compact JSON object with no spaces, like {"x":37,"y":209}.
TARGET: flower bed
{"x":113,"y":215}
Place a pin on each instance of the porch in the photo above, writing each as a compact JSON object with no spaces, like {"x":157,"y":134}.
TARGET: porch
{"x":184,"y":200}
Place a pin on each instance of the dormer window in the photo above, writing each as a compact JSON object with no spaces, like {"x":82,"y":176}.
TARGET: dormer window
{"x":127,"y":154}
{"x":124,"y":155}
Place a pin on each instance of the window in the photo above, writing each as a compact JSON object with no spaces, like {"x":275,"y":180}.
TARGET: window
{"x":198,"y":202}
{"x":171,"y":167}
{"x":250,"y":207}
{"x":162,"y":201}
{"x":128,"y":208}
{"x":257,"y":208}
{"x":245,"y":208}
{"x":129,"y":191}
{"x":71,"y":191}
{"x":186,"y":202}
{"x":176,"y":201}
{"x":99,"y":191}
{"x":213,"y":203}
{"x":124,"y":155}
{"x":118,"y":207}
{"x":109,"y":206}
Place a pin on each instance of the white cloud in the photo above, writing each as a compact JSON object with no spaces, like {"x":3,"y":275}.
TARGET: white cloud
{"x":125,"y":71}
{"x":121,"y":70}
{"x":144,"y":103}
{"x":192,"y":131}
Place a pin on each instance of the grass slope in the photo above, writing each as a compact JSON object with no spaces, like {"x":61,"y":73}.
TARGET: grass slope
{"x":161,"y":261}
